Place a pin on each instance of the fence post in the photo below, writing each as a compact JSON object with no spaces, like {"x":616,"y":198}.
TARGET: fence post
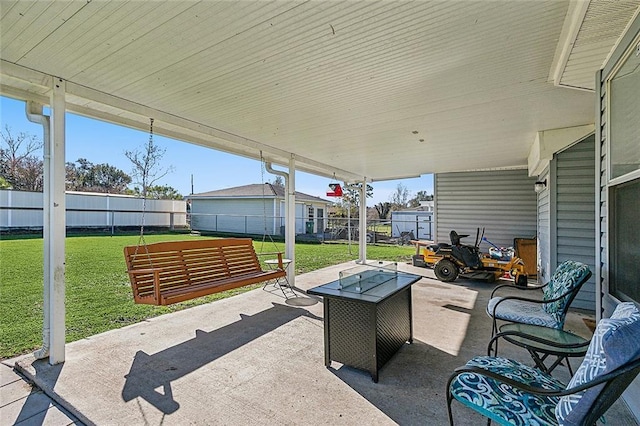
{"x":171,"y":221}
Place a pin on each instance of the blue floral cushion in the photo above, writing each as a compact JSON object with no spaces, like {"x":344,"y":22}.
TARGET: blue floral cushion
{"x":522,"y":312}
{"x":501,"y":402}
{"x":615,"y":342}
{"x":567,"y":276}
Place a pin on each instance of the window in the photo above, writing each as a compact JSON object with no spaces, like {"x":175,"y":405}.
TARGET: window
{"x":624,"y":117}
{"x":624,"y":176}
{"x":624,"y":232}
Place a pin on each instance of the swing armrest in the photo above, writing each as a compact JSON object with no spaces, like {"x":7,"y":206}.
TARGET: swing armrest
{"x":156,"y":278}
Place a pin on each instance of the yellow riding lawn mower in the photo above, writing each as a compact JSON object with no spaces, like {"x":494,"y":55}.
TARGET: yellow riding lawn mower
{"x":456,"y":259}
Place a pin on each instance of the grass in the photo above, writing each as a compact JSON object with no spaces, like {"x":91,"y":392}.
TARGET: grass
{"x":98,"y":293}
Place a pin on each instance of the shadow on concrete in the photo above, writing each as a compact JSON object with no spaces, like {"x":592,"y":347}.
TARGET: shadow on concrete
{"x":39,"y":402}
{"x":149,"y":373}
{"x":34,"y":408}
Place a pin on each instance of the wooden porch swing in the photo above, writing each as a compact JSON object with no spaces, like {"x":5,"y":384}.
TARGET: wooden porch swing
{"x":174,"y":271}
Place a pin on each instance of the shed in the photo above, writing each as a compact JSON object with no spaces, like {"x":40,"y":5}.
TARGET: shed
{"x":255,"y":209}
{"x":416,"y":221}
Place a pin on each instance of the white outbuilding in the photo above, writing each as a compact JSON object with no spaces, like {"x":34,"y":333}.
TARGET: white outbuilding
{"x":255,"y":209}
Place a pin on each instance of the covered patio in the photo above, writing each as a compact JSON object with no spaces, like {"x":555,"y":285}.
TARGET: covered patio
{"x":354,"y":91}
{"x":257,"y":358}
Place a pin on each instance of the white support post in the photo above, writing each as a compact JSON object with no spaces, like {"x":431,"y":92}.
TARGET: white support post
{"x":290,"y":237}
{"x":57,"y":224}
{"x":363,"y":223}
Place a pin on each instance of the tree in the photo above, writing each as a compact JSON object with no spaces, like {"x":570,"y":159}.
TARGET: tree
{"x":146,"y":165}
{"x":400,"y":198}
{"x":86,"y":176}
{"x":160,"y":192}
{"x":4,"y":184}
{"x":383,"y":209}
{"x":31,"y":175}
{"x":420,"y":196}
{"x":19,"y":167}
{"x":278,"y":181}
{"x":351,"y":199}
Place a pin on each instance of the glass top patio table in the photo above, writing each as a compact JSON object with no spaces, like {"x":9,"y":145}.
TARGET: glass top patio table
{"x":545,"y":339}
{"x":542,"y":342}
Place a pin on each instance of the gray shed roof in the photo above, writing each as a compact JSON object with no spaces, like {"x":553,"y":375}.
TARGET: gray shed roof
{"x":255,"y":190}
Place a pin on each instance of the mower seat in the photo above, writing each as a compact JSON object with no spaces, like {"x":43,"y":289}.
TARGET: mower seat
{"x":455,"y":238}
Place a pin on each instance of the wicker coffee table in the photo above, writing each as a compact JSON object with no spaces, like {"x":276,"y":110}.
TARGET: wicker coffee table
{"x":367,"y":322}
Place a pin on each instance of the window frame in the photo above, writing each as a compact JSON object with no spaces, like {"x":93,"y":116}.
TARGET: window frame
{"x":613,"y":183}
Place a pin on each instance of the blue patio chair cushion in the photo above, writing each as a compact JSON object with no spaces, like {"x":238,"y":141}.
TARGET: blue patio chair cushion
{"x":615,"y":342}
{"x":567,"y":276}
{"x":522,"y":312}
{"x":501,"y":402}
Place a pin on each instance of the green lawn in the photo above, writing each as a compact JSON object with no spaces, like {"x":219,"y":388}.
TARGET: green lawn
{"x":98,"y":294}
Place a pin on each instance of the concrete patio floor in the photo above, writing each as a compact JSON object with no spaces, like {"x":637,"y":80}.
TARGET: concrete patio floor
{"x":257,"y":358}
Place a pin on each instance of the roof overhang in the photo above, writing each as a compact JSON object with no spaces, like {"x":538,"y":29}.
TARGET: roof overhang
{"x":356,"y":90}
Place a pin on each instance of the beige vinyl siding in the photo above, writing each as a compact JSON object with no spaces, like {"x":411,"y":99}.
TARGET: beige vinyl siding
{"x":503,"y":202}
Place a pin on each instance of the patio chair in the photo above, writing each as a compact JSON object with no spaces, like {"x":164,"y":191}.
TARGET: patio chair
{"x":511,"y":393}
{"x":548,"y":311}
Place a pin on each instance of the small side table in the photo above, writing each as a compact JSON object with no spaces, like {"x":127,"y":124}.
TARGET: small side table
{"x":281,"y":283}
{"x":542,"y":342}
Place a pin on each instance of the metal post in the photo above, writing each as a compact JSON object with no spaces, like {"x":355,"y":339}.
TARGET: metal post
{"x":363,"y":222}
{"x":56,"y":174}
{"x":290,"y":227}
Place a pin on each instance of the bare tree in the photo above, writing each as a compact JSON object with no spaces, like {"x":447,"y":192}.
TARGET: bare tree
{"x":278,"y":181}
{"x":146,"y":165}
{"x":20,"y":168}
{"x":400,"y":198}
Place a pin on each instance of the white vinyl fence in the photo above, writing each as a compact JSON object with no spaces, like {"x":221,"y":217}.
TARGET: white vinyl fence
{"x":23,"y":210}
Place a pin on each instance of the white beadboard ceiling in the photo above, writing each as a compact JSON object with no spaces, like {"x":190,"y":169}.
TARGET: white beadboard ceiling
{"x":362,"y":89}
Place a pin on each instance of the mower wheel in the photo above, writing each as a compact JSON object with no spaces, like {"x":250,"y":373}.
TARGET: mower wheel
{"x":446,"y":270}
{"x":521,"y":281}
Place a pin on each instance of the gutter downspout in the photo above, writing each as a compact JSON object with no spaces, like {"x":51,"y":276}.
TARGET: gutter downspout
{"x":34,"y":114}
{"x":289,"y":251}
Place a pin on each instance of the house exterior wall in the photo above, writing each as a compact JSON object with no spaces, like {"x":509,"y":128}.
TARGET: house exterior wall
{"x":235,"y":216}
{"x":301,"y":218}
{"x":575,"y":213}
{"x":503,"y":202}
{"x":609,"y":302}
{"x":247,"y":215}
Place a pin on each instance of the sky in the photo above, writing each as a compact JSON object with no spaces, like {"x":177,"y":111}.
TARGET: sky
{"x":101,"y":142}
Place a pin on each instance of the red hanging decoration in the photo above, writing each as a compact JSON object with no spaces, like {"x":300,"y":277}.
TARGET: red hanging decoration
{"x":334,"y":190}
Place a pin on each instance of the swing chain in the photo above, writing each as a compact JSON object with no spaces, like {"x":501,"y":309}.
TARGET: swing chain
{"x":264,"y":205}
{"x":141,"y":240}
